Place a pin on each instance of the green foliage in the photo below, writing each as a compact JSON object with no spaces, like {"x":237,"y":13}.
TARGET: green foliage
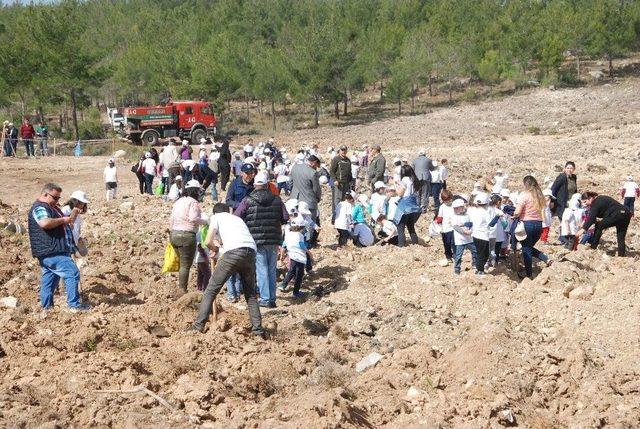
{"x":311,"y":51}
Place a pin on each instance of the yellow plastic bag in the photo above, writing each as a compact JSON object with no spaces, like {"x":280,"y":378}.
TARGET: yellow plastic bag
{"x":171,"y":260}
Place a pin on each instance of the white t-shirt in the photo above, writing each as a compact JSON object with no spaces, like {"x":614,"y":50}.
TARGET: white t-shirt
{"x":295,"y":245}
{"x":408,"y":186}
{"x":459,"y":237}
{"x":396,"y":174}
{"x":188,"y":164}
{"x":378,"y":205}
{"x":499,"y":182}
{"x":310,"y":227}
{"x":435,"y":176}
{"x":392,"y":206}
{"x":389,"y":228}
{"x":355,"y":169}
{"x":280,"y":171}
{"x":630,"y":189}
{"x":110,"y":174}
{"x":77,"y":224}
{"x":363,"y":234}
{"x":344,"y":215}
{"x":444,"y":174}
{"x":570,"y":221}
{"x":174,"y":192}
{"x":149,"y":166}
{"x":481,"y":217}
{"x":446,"y":213}
{"x":232,"y":230}
{"x":546,"y":217}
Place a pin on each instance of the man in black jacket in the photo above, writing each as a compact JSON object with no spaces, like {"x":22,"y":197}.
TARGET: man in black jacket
{"x":224,"y":163}
{"x":565,"y":185}
{"x":611,"y":212}
{"x":264,"y":214}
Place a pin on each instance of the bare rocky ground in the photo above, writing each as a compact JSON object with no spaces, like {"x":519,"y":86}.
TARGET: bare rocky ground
{"x":455,"y":352}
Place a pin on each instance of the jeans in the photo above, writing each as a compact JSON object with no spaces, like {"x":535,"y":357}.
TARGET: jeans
{"x":43,"y":147}
{"x":447,"y":241}
{"x":53,"y":269}
{"x":534,"y":232}
{"x":28,"y":144}
{"x":423,"y":195}
{"x":234,"y":287}
{"x":343,"y":237}
{"x":266,"y":264}
{"x":148,"y":183}
{"x":482,"y":253}
{"x":214,"y":192}
{"x":629,"y":202}
{"x":297,"y":271}
{"x":621,"y":221}
{"x":458,"y":256}
{"x":436,"y":188}
{"x":409,"y":221}
{"x":243,"y":262}
{"x":184,"y":243}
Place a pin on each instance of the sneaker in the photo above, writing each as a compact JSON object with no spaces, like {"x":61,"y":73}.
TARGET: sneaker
{"x":282,"y":287}
{"x":82,"y":308}
{"x":299,"y":295}
{"x":265,"y":305}
{"x":193,"y":329}
{"x":480,"y":273}
{"x":457,"y":272}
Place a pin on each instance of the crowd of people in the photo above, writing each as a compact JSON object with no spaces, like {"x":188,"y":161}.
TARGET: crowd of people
{"x":28,"y":135}
{"x":271,"y":213}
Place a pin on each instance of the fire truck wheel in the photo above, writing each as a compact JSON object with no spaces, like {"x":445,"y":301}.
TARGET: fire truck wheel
{"x":196,"y":135}
{"x":150,"y":137}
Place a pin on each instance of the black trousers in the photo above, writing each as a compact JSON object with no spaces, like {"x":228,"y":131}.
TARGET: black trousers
{"x":620,"y":220}
{"x":449,"y":246}
{"x":225,"y":171}
{"x":409,"y":221}
{"x":483,"y":250}
{"x":343,"y":238}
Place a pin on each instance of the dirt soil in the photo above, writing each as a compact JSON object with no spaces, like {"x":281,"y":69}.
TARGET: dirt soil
{"x":560,"y":351}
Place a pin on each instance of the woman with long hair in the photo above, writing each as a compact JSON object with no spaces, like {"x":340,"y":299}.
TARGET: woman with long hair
{"x":184,"y":222}
{"x":529,"y":211}
{"x":408,"y":211}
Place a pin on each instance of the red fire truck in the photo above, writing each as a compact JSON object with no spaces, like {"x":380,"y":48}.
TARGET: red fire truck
{"x":191,"y":120}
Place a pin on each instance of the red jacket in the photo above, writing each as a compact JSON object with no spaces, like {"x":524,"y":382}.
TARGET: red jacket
{"x":27,"y":131}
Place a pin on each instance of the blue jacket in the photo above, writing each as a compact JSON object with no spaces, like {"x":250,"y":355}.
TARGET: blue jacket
{"x":237,"y":191}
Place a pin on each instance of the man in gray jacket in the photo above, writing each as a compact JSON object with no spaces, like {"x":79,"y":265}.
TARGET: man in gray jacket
{"x":306,"y":186}
{"x":377,"y":166}
{"x":422,"y":166}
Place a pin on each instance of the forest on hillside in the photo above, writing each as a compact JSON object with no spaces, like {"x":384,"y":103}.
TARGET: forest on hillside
{"x":317,"y":52}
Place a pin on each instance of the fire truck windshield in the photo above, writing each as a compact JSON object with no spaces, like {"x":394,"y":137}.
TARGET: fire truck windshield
{"x":207,"y":110}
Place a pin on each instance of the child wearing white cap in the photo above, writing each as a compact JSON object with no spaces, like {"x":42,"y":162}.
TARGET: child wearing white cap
{"x":571,"y":220}
{"x":629,"y":192}
{"x":547,"y":217}
{"x":462,"y":237}
{"x":482,"y":216}
{"x":378,"y":201}
{"x":110,"y":176}
{"x":388,"y":231}
{"x":499,"y":181}
{"x":344,"y":219}
{"x":295,"y":247}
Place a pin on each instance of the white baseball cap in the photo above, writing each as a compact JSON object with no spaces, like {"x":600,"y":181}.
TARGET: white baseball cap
{"x":185,"y":142}
{"x":178,"y":177}
{"x":193,"y":184}
{"x":298,"y":221}
{"x":362,"y":198}
{"x":422,"y":152}
{"x":505,"y":193}
{"x":203,"y":140}
{"x":303,"y":208}
{"x":379,"y":185}
{"x":323,"y":180}
{"x":291,"y":205}
{"x":458,"y":202}
{"x":262,"y":178}
{"x":629,"y":178}
{"x":482,"y":198}
{"x":111,"y":161}
{"x":80,"y":196}
{"x":147,"y":154}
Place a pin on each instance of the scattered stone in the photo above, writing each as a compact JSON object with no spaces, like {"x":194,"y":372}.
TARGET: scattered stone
{"x":414,"y":393}
{"x":127,"y":205}
{"x":443,"y":262}
{"x":582,"y":292}
{"x":119,"y":154}
{"x":9,"y":302}
{"x":369,"y":361}
{"x":159,"y":331}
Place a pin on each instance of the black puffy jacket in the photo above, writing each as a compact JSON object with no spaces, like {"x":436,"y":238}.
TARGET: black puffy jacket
{"x":264,"y":217}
